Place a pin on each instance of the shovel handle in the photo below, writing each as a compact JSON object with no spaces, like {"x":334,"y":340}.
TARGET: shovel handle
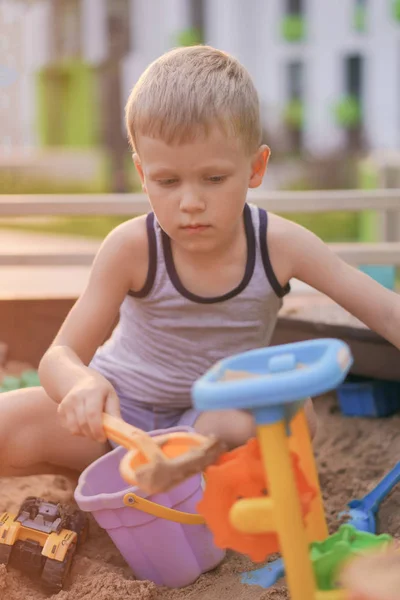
{"x":131,"y":437}
{"x":373,"y":499}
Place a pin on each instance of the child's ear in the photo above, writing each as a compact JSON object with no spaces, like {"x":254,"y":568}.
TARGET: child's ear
{"x":259,"y":165}
{"x":139,"y":169}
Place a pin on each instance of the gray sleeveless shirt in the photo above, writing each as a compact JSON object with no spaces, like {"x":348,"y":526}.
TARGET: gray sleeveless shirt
{"x":167,"y":336}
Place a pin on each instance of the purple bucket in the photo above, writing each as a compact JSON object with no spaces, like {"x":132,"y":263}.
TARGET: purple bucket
{"x":162,"y":551}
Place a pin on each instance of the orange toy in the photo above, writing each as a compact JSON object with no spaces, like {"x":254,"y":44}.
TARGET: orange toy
{"x":240,"y":474}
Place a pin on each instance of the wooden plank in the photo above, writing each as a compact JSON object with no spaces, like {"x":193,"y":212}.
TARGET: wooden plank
{"x":46,"y":259}
{"x":74,"y":204}
{"x":29,"y":326}
{"x":378,"y":253}
{"x":130,"y":204}
{"x":327,"y":200}
{"x":354,"y":253}
{"x":42,"y":282}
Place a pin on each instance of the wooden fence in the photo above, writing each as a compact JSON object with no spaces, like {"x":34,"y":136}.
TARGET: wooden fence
{"x":386,"y":202}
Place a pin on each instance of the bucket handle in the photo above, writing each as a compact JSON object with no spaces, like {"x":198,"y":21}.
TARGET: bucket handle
{"x":162,"y":512}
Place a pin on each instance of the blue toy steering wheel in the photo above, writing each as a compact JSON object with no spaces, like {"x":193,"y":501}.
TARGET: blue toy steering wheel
{"x":278,"y":376}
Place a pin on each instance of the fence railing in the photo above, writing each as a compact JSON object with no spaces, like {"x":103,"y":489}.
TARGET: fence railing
{"x":385,"y":201}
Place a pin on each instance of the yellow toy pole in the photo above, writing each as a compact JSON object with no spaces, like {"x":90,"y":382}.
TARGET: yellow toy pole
{"x":287,"y":512}
{"x":317,"y":527}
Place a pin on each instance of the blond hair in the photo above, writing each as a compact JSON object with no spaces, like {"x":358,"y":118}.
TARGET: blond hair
{"x":188,"y":90}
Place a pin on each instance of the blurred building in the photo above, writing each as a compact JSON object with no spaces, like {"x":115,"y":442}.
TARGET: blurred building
{"x":328,"y":73}
{"x":16,"y":92}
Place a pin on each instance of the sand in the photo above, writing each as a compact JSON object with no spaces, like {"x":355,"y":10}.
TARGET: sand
{"x":353,"y":454}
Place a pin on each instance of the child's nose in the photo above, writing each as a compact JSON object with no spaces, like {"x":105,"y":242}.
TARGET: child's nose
{"x":191,"y":201}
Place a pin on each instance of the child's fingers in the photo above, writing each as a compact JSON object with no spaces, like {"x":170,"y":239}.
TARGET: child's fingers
{"x":83,"y":419}
{"x":93,"y":418}
{"x":69,"y":420}
{"x":112,"y":406}
{"x":82,"y":409}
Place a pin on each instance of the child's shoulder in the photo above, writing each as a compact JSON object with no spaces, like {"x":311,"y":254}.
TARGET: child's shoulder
{"x":126,"y":248}
{"x":285,"y":232}
{"x":131,"y":235}
{"x":280,"y":231}
{"x":290,"y":245}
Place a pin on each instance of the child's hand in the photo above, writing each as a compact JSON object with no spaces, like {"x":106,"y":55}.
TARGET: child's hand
{"x":374,"y":576}
{"x":82,"y":408}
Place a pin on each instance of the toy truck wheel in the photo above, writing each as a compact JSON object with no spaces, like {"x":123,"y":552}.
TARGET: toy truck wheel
{"x":5,"y":553}
{"x":79,"y":523}
{"x":28,"y":502}
{"x":29,"y":505}
{"x":55,"y":572}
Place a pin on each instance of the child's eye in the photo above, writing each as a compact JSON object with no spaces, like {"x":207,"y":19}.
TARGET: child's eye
{"x":217,"y":178}
{"x":167,"y":182}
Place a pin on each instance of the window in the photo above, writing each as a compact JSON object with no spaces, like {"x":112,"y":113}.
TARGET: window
{"x":349,"y":109}
{"x":354,"y":76}
{"x":295,"y":7}
{"x":293,"y":22}
{"x":197,"y":14}
{"x":67,"y":29}
{"x":194,"y":33}
{"x":295,"y":80}
{"x":118,"y":26}
{"x":293,"y":114}
{"x":360,"y":15}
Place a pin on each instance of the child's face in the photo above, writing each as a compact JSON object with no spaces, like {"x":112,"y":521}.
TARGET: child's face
{"x":198,"y":189}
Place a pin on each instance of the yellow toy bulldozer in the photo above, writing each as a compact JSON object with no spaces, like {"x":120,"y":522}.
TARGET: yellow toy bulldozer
{"x":41,"y":540}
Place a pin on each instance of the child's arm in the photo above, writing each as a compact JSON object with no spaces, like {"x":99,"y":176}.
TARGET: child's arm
{"x":81,"y":392}
{"x":296,"y":252}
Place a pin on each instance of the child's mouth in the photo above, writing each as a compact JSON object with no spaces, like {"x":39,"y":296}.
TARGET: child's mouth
{"x":196,"y":228}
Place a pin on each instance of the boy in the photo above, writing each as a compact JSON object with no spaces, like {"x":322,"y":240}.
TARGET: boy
{"x":200,"y":278}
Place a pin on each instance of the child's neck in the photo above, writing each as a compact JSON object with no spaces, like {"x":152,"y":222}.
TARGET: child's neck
{"x":227,"y":252}
{"x":212,"y":273}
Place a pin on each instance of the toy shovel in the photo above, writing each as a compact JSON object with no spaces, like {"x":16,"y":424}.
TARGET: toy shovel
{"x":362,"y":512}
{"x":156,"y":464}
{"x":266,"y":576}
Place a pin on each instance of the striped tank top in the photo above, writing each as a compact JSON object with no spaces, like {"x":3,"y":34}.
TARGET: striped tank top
{"x":167,"y":336}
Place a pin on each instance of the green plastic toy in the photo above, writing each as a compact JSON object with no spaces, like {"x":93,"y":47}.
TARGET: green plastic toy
{"x":28,"y":378}
{"x":10,"y":383}
{"x":328,"y":556}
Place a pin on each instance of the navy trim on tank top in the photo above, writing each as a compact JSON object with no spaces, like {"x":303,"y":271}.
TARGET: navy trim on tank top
{"x":151,"y":271}
{"x":269,"y":271}
{"x":250,"y":263}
